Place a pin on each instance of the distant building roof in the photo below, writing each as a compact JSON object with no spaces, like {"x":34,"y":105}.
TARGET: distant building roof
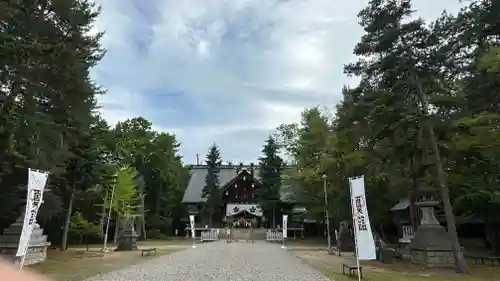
{"x":401,"y":205}
{"x":194,"y":190}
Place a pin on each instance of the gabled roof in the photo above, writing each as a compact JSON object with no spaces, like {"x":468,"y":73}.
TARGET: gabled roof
{"x":225,"y":187}
{"x":194,"y":190}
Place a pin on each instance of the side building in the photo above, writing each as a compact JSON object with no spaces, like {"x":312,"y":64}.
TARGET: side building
{"x":240,"y":186}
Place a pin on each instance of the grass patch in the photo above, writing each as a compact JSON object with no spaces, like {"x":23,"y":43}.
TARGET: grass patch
{"x":331,"y":266}
{"x":76,"y":264}
{"x":146,"y":243}
{"x":394,"y":276}
{"x":306,"y":242}
{"x":186,"y":242}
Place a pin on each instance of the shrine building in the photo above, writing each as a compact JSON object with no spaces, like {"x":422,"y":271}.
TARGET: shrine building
{"x":239,"y":187}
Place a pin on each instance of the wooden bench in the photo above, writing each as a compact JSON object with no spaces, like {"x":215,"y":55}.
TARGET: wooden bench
{"x":148,"y":251}
{"x":352,"y":270}
{"x":481,"y":259}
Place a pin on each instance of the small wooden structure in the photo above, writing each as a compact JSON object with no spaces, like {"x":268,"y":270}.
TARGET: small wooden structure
{"x":210,"y":235}
{"x":480,"y":259}
{"x":272,"y":235}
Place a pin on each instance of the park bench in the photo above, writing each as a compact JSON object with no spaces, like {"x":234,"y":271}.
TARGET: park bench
{"x":352,"y":270}
{"x":148,"y":251}
{"x":478,"y":259}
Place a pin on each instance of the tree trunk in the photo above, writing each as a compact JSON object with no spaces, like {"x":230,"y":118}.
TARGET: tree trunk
{"x":382,"y":233}
{"x":158,"y":201}
{"x":64,"y":241}
{"x":143,"y":216}
{"x":210,"y":220}
{"x":86,"y":241}
{"x":138,"y":227}
{"x":274,"y":215}
{"x":460,"y":264}
{"x":144,"y":227}
{"x":140,"y":221}
{"x":414,"y":217}
{"x":117,"y":229}
{"x":102,"y":220}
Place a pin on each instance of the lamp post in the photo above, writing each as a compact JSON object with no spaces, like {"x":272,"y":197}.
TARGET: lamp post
{"x":324,"y":177}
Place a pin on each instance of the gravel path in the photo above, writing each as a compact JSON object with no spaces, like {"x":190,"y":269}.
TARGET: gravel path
{"x":220,"y":261}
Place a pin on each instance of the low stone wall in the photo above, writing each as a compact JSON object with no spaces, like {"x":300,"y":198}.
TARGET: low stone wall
{"x":35,"y":253}
{"x":432,"y":258}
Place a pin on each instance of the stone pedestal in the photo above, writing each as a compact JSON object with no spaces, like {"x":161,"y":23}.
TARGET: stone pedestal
{"x":127,"y":241}
{"x":37,"y":249}
{"x":431,"y":244}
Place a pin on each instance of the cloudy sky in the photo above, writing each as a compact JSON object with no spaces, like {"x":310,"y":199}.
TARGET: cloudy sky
{"x":227,"y":71}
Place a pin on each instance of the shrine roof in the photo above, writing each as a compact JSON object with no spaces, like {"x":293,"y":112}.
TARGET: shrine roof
{"x":403,"y":204}
{"x":227,"y":173}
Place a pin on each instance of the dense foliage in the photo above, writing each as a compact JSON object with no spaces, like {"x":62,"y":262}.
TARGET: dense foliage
{"x":425,"y":114}
{"x":49,"y":121}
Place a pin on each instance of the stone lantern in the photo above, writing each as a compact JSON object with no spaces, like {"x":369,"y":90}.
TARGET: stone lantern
{"x":127,"y":240}
{"x":431,"y":244}
{"x":9,"y":241}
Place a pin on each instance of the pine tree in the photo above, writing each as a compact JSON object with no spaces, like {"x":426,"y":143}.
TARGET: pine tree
{"x":396,"y":54}
{"x":270,"y":168}
{"x":211,"y":191}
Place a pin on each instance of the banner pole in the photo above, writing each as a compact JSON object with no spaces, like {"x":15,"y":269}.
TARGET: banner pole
{"x":21,"y":262}
{"x":356,"y":242}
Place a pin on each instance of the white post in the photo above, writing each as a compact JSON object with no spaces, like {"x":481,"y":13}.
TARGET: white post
{"x":193,"y":231}
{"x":109,"y":219}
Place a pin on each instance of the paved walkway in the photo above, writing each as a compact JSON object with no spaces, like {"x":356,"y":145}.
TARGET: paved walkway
{"x":220,"y":261}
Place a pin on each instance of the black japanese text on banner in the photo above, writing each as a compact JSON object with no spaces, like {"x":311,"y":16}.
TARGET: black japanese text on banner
{"x":36,"y":185}
{"x":365,"y":243}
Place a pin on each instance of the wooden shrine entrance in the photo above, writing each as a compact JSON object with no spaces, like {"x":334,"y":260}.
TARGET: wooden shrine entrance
{"x":243,"y":215}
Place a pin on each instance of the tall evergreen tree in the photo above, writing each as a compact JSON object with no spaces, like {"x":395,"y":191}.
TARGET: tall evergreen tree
{"x":211,"y":191}
{"x":270,"y":168}
{"x":397,"y":56}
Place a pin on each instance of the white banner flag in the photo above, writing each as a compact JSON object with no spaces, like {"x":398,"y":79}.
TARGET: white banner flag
{"x":285,"y":226}
{"x":365,"y":245}
{"x":191,"y":222}
{"x":36,"y":185}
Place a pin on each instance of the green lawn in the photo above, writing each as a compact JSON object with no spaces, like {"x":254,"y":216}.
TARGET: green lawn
{"x":147,"y":243}
{"x":76,"y":264}
{"x":393,"y":276}
{"x":331,"y":266}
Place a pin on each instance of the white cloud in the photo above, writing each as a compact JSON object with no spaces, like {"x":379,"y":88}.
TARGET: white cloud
{"x":227,"y":70}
